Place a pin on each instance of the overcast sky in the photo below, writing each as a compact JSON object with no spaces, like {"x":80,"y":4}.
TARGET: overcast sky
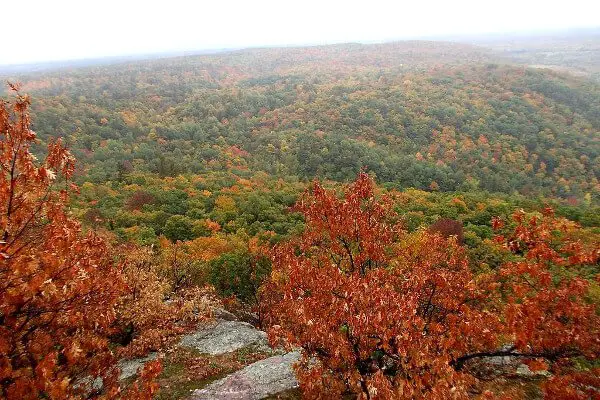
{"x":44,"y":30}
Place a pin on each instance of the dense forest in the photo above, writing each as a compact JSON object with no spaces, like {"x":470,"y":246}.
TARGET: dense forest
{"x":437,"y":117}
{"x":414,"y":114}
{"x":437,"y":184}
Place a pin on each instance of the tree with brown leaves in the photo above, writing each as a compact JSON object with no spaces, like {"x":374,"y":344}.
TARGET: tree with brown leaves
{"x":58,"y":288}
{"x":383,"y":314}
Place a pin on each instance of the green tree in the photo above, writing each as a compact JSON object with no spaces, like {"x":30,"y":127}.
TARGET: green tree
{"x":179,"y":227}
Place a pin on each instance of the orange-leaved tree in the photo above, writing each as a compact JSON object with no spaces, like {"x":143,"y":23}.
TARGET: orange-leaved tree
{"x":145,"y":320}
{"x":58,"y":288}
{"x":383,"y":314}
{"x":551,"y":301}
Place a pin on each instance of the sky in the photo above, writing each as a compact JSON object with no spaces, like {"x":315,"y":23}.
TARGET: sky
{"x":50,"y":30}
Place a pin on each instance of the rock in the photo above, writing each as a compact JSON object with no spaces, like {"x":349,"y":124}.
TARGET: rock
{"x":89,"y":385}
{"x":523,"y":370}
{"x":224,"y":315}
{"x":130,"y":367}
{"x":256,"y":381}
{"x":503,"y":360}
{"x":224,"y":337}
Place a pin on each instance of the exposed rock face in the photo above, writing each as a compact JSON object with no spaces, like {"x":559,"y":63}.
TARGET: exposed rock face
{"x":256,"y":381}
{"x":505,"y":365}
{"x":225,"y":337}
{"x":130,"y":367}
{"x":223,"y":315}
{"x":524,"y":371}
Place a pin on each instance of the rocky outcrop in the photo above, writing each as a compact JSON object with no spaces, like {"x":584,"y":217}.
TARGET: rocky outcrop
{"x":129,"y":367}
{"x":225,"y":337}
{"x":261,"y":379}
{"x":256,"y":381}
{"x":507,"y":365}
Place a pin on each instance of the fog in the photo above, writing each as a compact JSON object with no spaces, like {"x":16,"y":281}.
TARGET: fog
{"x":42,"y":30}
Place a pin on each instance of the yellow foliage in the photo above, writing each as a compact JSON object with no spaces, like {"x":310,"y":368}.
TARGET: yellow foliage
{"x":129,"y":118}
{"x":225,"y":203}
{"x":208,"y":248}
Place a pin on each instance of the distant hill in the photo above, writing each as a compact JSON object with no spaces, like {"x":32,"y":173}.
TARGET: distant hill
{"x":576,"y":51}
{"x":431,"y":115}
{"x":8,"y":70}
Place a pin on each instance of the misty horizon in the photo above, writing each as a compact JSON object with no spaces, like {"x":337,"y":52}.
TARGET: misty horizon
{"x":68,"y":31}
{"x":473,"y":39}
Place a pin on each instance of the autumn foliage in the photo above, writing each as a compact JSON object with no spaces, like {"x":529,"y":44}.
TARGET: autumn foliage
{"x":379,"y":313}
{"x":447,"y":227}
{"x":58,"y":288}
{"x":384,"y":314}
{"x":145,"y":321}
{"x":551,"y":308}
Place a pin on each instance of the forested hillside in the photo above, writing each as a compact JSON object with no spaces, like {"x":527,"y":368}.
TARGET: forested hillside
{"x":417,"y":114}
{"x":469,"y":234}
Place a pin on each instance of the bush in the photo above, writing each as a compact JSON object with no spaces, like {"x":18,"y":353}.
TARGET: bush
{"x":179,"y":227}
{"x":239,"y":274}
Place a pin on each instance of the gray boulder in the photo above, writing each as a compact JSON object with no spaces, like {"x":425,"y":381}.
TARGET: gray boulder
{"x":222,"y":314}
{"x":256,"y":381}
{"x":524,"y":371}
{"x":129,"y":367}
{"x":225,"y":337}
